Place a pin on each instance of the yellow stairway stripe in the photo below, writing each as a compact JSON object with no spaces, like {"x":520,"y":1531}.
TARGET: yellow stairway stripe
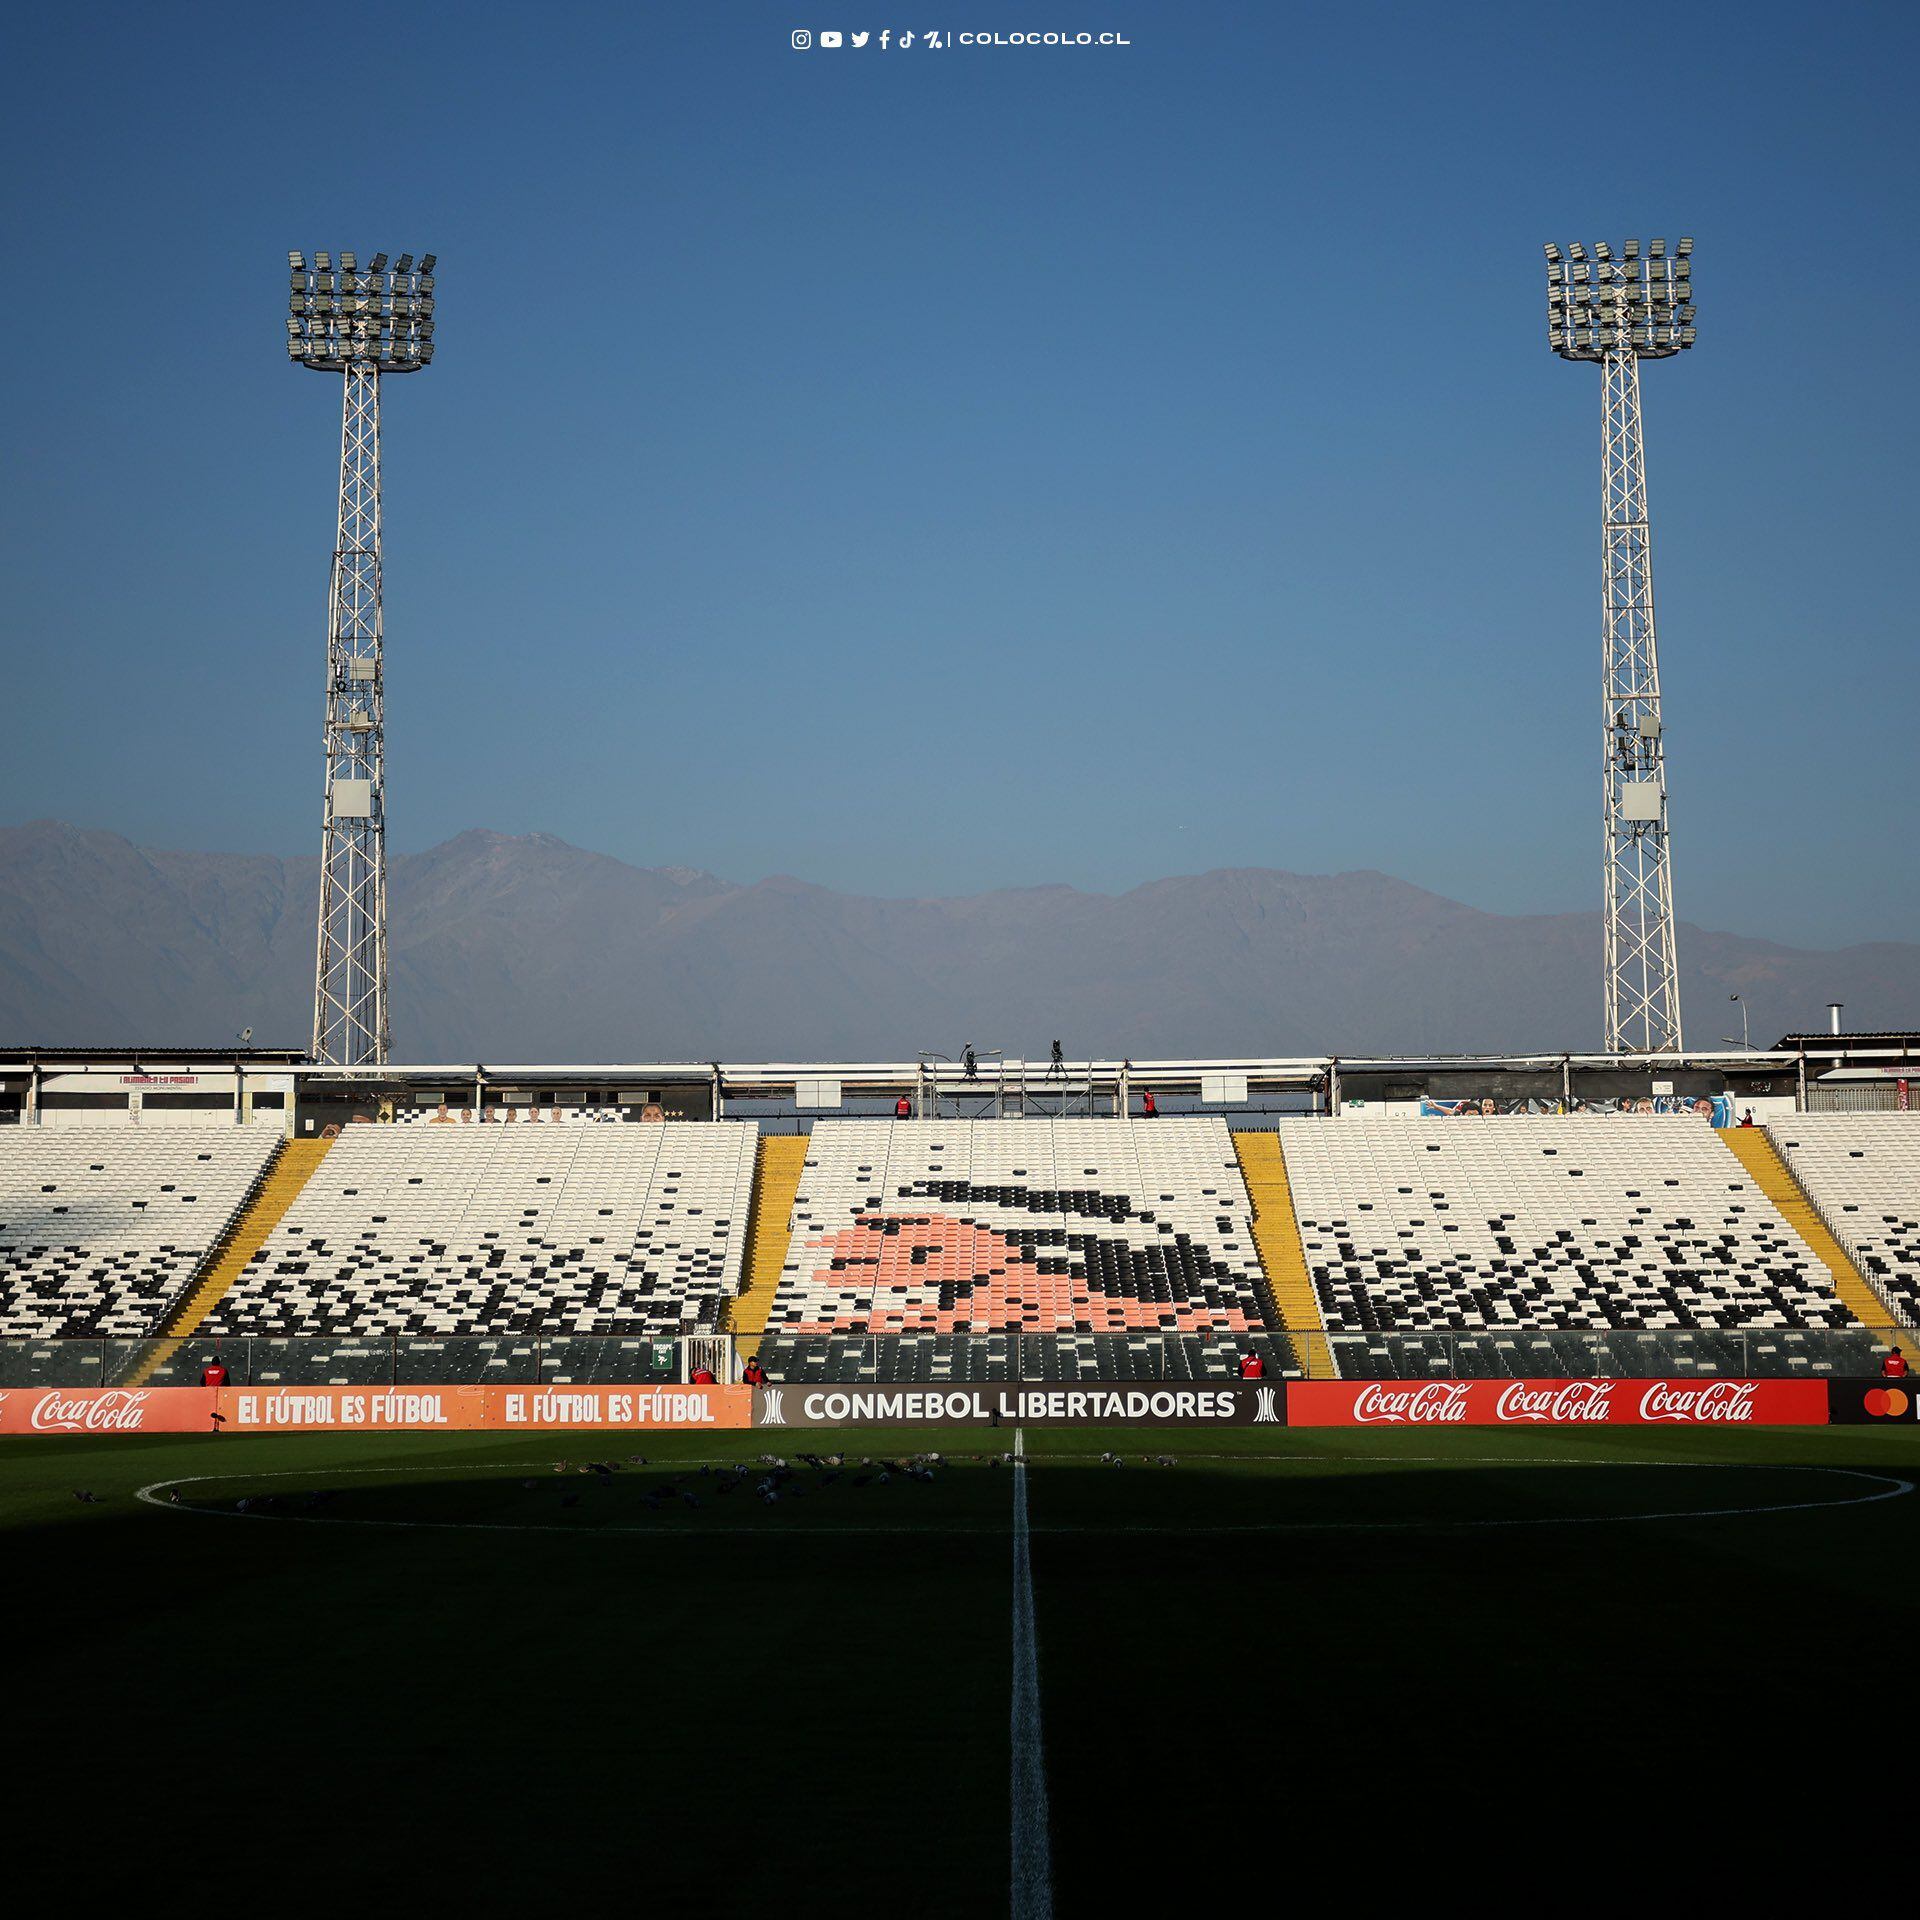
{"x":1276,"y":1237}
{"x":781,"y":1159}
{"x":284,"y":1179}
{"x":1755,"y":1151}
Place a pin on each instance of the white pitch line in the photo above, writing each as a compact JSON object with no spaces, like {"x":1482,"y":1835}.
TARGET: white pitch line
{"x":1032,"y":1887}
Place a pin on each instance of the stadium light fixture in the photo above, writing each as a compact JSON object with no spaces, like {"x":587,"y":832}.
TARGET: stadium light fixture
{"x":1617,"y":310}
{"x":379,"y":317}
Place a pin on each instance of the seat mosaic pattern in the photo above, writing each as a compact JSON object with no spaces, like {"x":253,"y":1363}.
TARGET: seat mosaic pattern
{"x":103,"y":1228}
{"x":1862,"y":1172}
{"x":902,"y":1359}
{"x":1540,"y":1227}
{"x":491,"y":1229}
{"x":1052,"y":1227}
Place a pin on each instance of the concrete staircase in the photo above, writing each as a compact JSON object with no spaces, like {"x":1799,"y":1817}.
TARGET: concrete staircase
{"x":1276,"y":1238}
{"x":776,"y":1181}
{"x":1756,"y":1152}
{"x":286,"y":1174}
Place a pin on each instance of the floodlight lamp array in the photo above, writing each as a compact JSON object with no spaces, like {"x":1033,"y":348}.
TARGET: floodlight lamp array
{"x":1630,"y":299}
{"x":378,"y":317}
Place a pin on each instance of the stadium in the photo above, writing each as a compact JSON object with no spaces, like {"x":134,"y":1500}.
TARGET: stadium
{"x":1095,"y":1482}
{"x":1571,"y":1434}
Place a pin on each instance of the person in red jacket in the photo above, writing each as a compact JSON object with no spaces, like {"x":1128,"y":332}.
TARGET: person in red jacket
{"x":1252,"y":1367}
{"x":903,"y":1108}
{"x":703,"y":1376}
{"x":753,"y":1374}
{"x":213,"y":1374}
{"x":1894,"y":1366}
{"x":1149,"y":1106}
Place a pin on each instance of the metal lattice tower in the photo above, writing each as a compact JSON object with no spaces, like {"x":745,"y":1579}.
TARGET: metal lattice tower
{"x":1619,"y":310}
{"x":360,"y":324}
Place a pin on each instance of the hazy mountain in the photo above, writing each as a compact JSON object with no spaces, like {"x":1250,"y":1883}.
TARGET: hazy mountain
{"x":530,"y":949}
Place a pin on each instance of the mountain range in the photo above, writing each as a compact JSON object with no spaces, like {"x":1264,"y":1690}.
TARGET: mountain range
{"x":526,"y":948}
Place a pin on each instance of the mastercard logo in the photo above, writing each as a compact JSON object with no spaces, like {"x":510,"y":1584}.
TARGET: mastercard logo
{"x":1885,"y":1403}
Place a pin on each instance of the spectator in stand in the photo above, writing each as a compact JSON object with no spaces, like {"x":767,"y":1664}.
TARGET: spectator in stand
{"x":1252,"y":1367}
{"x":213,"y":1374}
{"x":1149,"y":1106}
{"x":1894,"y":1366}
{"x":1746,"y":1119}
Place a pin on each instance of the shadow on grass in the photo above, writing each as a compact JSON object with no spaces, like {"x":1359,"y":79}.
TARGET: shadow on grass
{"x":1252,"y":1672}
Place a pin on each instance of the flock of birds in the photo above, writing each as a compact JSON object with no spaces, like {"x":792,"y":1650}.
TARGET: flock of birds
{"x":772,"y":1477}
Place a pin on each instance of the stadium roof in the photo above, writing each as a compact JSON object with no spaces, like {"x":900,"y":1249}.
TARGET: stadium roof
{"x":107,"y":1056}
{"x":1848,"y":1042}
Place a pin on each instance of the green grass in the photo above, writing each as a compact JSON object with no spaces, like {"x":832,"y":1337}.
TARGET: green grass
{"x":1289,"y":1656}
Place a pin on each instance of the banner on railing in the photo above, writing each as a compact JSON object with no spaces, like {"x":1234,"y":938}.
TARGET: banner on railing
{"x":1717,"y":1107}
{"x":1557,"y":1403}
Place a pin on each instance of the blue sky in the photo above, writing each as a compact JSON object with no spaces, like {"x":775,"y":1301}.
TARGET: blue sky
{"x":925,"y":471}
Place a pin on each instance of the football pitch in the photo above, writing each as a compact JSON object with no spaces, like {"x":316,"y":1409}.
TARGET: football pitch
{"x":489,"y":1672}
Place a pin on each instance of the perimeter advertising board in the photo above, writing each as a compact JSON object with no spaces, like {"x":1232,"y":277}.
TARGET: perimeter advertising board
{"x":239,"y":1410}
{"x":1872,"y":1403}
{"x":57,"y":1410}
{"x":1019,"y":1404}
{"x":1556,"y":1403}
{"x":534,"y":1409}
{"x":1299,"y":1403}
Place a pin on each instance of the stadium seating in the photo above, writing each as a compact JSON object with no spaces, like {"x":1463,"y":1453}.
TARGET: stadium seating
{"x":428,"y":1231}
{"x":1862,"y":1173}
{"x":996,"y":1249}
{"x":103,"y":1228}
{"x":1555,"y":1246}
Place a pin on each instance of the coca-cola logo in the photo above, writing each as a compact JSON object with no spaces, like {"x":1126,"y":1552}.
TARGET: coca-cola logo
{"x":1433,"y":1403}
{"x":1561,"y":1401}
{"x":1722,"y":1400}
{"x":113,"y":1410}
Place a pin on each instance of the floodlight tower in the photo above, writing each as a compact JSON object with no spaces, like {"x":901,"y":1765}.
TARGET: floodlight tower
{"x":1620,"y":309}
{"x":360,"y":323}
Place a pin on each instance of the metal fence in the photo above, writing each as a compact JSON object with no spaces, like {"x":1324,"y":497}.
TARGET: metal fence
{"x":638,"y":1359}
{"x":1857,"y":1099}
{"x":1039,"y":1100}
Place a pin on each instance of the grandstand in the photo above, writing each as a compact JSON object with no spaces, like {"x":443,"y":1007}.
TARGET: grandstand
{"x":466,"y":1243}
{"x":104,"y":1229}
{"x":1057,"y":1249}
{"x":1862,"y":1173}
{"x":1556,"y":1246}
{"x":1050,"y":1247}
